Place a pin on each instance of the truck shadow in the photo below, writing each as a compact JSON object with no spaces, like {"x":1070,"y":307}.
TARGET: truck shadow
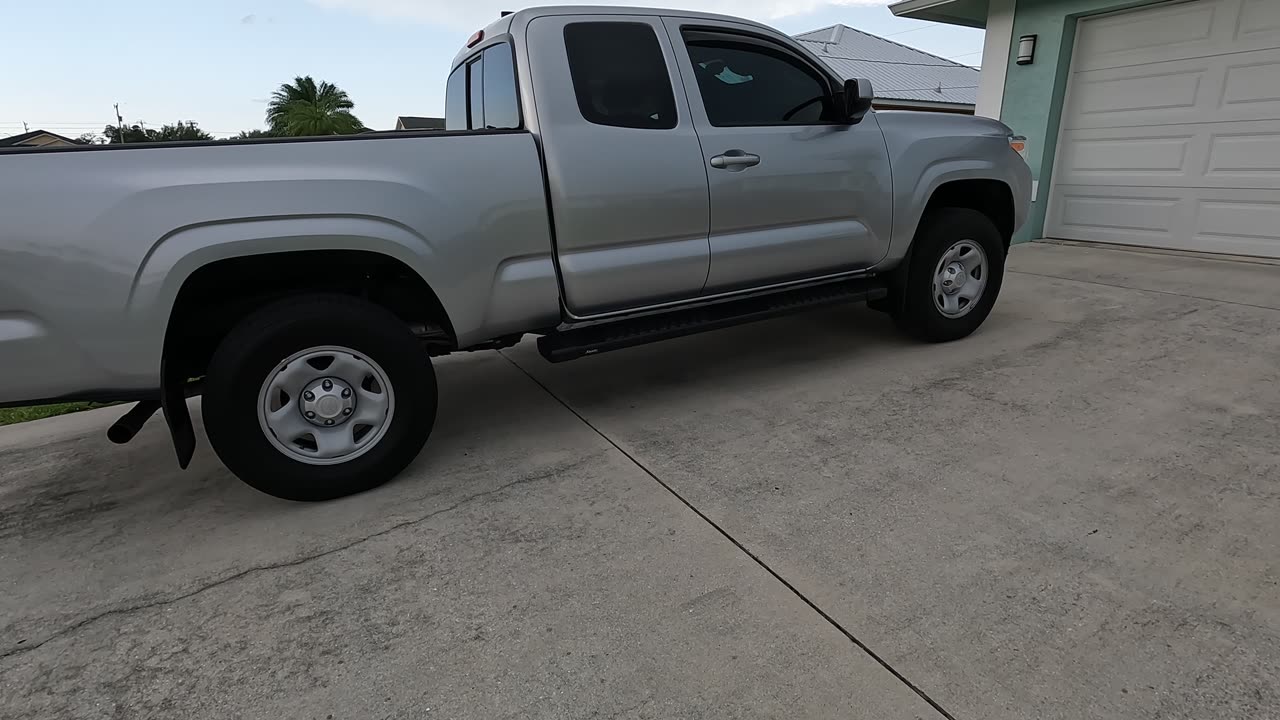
{"x":737,"y":357}
{"x":484,"y":398}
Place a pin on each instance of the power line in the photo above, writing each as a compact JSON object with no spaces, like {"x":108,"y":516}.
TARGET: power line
{"x":44,"y":124}
{"x":904,"y":32}
{"x":892,"y":62}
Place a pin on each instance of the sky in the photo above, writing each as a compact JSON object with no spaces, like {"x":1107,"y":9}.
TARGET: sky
{"x":215,"y":62}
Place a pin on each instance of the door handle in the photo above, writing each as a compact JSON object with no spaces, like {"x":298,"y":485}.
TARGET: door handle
{"x":735,"y":160}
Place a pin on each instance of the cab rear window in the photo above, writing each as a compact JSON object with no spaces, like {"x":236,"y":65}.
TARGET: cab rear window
{"x":481,"y":93}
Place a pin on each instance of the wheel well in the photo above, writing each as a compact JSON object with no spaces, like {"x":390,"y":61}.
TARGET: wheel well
{"x":218,"y":296}
{"x":989,"y":197}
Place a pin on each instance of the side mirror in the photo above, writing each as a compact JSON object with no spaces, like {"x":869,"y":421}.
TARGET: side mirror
{"x":857,"y":99}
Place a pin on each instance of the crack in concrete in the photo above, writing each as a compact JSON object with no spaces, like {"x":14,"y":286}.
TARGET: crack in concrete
{"x":19,"y":650}
{"x":630,"y":709}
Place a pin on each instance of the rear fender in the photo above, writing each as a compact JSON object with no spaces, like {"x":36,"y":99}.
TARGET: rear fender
{"x":178,"y":255}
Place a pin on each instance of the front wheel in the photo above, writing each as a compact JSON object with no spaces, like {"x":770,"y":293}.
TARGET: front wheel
{"x":957,"y":267}
{"x":318,"y":397}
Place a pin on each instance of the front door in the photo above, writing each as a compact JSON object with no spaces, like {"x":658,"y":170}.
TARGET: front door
{"x":795,"y":192}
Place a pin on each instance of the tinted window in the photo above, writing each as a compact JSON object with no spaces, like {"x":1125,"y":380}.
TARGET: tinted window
{"x":744,"y":81}
{"x":455,"y":101}
{"x":619,"y":75}
{"x":501,"y":107}
{"x":475,"y":80}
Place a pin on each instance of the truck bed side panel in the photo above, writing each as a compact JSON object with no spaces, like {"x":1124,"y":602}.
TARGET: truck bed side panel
{"x":96,"y":244}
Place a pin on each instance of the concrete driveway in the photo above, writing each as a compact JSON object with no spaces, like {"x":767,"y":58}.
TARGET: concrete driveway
{"x":1074,"y":513}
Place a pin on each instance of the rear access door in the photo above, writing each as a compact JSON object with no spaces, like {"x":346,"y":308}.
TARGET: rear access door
{"x":625,"y":172}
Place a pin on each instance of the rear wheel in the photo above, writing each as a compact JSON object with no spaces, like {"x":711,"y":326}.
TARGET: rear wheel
{"x":318,"y":397}
{"x":956,"y":270}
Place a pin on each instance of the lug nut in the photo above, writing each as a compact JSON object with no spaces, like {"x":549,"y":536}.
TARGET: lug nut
{"x":308,"y":396}
{"x":346,"y":392}
{"x":328,"y":422}
{"x":310,"y":414}
{"x":327,"y":384}
{"x":346,"y":411}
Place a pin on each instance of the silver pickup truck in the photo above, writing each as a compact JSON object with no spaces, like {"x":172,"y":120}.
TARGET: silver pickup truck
{"x":608,"y":177}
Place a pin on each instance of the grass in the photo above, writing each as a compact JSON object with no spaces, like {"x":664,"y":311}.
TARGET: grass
{"x":9,"y":416}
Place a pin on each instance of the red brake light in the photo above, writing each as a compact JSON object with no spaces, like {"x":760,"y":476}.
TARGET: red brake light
{"x":475,"y":38}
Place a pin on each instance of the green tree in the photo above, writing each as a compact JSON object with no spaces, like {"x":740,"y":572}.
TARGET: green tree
{"x":91,"y":139}
{"x":127,"y":134}
{"x":180,"y":131}
{"x":304,"y":107}
{"x":251,"y":134}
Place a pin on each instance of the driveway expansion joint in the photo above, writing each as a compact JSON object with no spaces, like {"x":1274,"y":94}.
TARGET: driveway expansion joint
{"x":738,"y":544}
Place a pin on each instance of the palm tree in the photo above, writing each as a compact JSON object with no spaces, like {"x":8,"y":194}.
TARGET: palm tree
{"x":305,"y":108}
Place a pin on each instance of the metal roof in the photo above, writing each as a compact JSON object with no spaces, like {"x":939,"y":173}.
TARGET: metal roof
{"x":414,"y":122}
{"x":896,"y":72}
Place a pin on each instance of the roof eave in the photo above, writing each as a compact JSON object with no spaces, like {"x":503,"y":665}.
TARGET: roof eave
{"x":951,"y":12}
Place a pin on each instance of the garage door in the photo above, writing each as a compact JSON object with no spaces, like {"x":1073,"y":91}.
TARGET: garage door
{"x":1171,"y":130}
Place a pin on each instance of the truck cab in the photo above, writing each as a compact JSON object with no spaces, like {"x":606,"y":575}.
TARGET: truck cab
{"x":686,"y":156}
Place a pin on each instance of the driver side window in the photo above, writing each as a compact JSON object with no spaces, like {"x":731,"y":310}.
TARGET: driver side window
{"x":749,"y":82}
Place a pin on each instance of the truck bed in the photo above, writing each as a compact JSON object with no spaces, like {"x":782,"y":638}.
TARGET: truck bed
{"x":96,"y":241}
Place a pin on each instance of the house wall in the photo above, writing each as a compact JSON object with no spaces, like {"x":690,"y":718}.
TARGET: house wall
{"x":1033,"y":93}
{"x":47,"y":141}
{"x":995,"y":57}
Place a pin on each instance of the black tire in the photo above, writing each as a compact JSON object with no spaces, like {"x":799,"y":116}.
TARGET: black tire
{"x":250,"y":354}
{"x":915,"y":310}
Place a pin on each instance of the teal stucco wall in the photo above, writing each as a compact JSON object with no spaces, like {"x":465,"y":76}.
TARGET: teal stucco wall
{"x":1033,"y":93}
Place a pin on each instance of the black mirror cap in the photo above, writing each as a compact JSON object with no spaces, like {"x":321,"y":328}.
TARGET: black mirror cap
{"x":857,"y":99}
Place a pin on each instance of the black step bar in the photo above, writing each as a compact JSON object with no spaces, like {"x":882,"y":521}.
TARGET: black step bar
{"x":616,"y":335}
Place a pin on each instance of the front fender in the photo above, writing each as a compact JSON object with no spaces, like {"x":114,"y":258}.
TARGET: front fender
{"x":913,"y":198}
{"x":929,"y":150}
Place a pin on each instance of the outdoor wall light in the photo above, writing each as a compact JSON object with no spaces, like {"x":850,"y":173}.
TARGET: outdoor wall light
{"x":1026,"y":49}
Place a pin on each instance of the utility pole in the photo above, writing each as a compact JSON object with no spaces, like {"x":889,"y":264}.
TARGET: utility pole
{"x":119,"y":122}
{"x":25,"y":129}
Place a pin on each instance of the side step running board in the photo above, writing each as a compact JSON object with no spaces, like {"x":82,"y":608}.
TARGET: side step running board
{"x":595,"y":339}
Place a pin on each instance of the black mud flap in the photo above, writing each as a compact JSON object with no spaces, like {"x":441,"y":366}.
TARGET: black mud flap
{"x":173,"y":398}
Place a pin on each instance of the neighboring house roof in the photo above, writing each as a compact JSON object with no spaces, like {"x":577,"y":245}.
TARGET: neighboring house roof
{"x":36,"y":138}
{"x":410,"y":122}
{"x":896,"y":72}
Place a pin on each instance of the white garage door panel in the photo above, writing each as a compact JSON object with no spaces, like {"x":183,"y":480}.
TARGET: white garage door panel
{"x":1210,"y":155}
{"x":1248,"y":226}
{"x":1245,"y":158}
{"x":1101,"y":100}
{"x":1170,"y":130}
{"x":1259,"y":17}
{"x":1226,"y":221}
{"x":1105,"y":156}
{"x":1221,"y":88}
{"x":1117,"y":214}
{"x":1176,"y":31}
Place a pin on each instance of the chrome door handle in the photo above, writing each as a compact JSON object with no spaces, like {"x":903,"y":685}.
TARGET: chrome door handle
{"x":735,"y":160}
